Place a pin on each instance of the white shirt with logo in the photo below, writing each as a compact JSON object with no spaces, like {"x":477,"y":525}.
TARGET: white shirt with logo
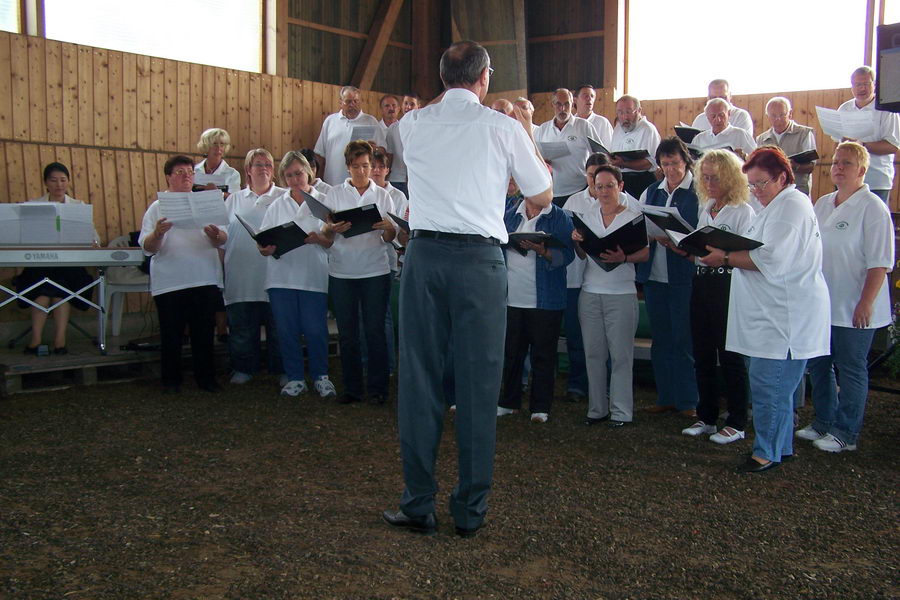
{"x":857,"y":236}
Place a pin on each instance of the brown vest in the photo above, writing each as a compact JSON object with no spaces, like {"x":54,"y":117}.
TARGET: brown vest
{"x":791,"y":142}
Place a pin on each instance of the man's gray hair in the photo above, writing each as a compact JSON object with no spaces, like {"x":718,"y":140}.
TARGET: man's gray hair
{"x":779,"y":100}
{"x":714,"y":101}
{"x":629,"y":97}
{"x":463,"y":63}
{"x":864,"y":70}
{"x":347,"y":89}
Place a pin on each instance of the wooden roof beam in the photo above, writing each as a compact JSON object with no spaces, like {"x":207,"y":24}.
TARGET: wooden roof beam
{"x":373,"y":51}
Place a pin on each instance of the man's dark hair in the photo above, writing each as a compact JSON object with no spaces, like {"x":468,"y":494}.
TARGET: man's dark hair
{"x":462,"y":64}
{"x":174,"y":161}
{"x":597,"y":159}
{"x":310,"y":157}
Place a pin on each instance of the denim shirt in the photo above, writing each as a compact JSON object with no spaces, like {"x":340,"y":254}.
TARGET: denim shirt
{"x":680,"y":270}
{"x":550,"y":276}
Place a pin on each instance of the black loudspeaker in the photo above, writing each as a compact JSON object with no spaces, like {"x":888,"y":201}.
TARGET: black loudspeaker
{"x":887,"y":78}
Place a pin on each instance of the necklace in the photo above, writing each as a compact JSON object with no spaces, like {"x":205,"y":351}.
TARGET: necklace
{"x":714,"y":210}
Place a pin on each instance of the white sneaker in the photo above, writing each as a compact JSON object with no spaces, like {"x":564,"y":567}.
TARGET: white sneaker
{"x":294,"y":388}
{"x":325,"y":387}
{"x":829,"y":443}
{"x":698,"y":428}
{"x":502,"y":412}
{"x":539,"y":417}
{"x":809,"y":434}
{"x":726,"y":435}
{"x":240,"y":378}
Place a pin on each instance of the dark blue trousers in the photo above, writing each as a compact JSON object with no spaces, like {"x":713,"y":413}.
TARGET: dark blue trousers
{"x":452,"y":307}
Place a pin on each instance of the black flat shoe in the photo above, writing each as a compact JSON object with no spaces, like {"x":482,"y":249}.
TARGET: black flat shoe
{"x":29,"y":350}
{"x":616,"y":424}
{"x":425,"y":525}
{"x":751,"y":465}
{"x":469,"y":533}
{"x":595,"y":420}
{"x":61,"y":350}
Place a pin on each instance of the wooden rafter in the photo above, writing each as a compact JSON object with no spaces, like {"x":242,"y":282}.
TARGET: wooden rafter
{"x":339,"y":31}
{"x":376,"y":43}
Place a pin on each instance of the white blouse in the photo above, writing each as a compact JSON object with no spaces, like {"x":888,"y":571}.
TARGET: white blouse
{"x":783,"y":307}
{"x":621,"y":279}
{"x":361,"y":255}
{"x":735,"y":218}
{"x":857,"y":235}
{"x":303,"y":268}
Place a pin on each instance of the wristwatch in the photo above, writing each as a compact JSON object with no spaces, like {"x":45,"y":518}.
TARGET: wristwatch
{"x":725,"y":259}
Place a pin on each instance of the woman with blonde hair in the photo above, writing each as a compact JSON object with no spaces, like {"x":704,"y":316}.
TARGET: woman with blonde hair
{"x":215,"y":143}
{"x":722,"y":189}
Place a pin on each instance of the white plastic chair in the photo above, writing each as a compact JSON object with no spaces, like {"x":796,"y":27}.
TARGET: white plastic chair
{"x":120,"y":280}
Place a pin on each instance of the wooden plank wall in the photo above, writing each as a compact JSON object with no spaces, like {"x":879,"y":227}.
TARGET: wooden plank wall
{"x":665,"y":114}
{"x":114,"y":118}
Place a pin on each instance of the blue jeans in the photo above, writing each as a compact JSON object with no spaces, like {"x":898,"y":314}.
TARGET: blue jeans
{"x":841,"y":413}
{"x":452,"y":308}
{"x":669,"y":309}
{"x":578,"y":381}
{"x":772,"y":385}
{"x":350,"y":299}
{"x":301,"y":313}
{"x":244,"y":321}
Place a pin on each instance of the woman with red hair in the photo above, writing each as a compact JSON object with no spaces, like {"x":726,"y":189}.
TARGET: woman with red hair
{"x":779,"y":312}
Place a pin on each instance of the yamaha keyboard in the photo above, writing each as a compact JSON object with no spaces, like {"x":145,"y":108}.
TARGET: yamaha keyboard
{"x":57,"y":256}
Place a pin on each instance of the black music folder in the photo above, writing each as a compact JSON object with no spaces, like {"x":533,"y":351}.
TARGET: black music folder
{"x":536,"y":237}
{"x":284,"y":237}
{"x":803,"y":158}
{"x":695,"y":243}
{"x":361,"y":218}
{"x":401,"y":223}
{"x":666,"y":218}
{"x":597,"y":146}
{"x":631,"y":237}
{"x":687,"y":134}
{"x":631,"y":154}
{"x":202,"y":188}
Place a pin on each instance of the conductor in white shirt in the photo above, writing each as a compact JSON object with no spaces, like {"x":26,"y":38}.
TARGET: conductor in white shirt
{"x":459,"y":156}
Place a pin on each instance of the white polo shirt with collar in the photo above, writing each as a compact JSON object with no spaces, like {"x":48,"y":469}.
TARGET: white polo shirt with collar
{"x":740,"y":118}
{"x":568,"y":171}
{"x":880,"y":175}
{"x":333,"y":139}
{"x":485,"y":147}
{"x":644,"y":136}
{"x":732,"y":136}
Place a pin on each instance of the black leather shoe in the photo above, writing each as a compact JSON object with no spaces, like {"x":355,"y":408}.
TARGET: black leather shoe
{"x":616,"y":424}
{"x":426,"y":525}
{"x":347,"y":399}
{"x":31,"y":350}
{"x":61,"y":350}
{"x":595,"y":420}
{"x":751,"y":465}
{"x":468,"y":533}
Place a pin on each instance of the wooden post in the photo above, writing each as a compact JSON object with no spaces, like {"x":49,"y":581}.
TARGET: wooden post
{"x":870,"y":33}
{"x":614,"y":46}
{"x":373,"y":51}
{"x":275,"y":37}
{"x":426,"y":51}
{"x":521,"y":43}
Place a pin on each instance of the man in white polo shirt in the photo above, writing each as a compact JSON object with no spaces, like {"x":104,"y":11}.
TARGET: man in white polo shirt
{"x":634,"y":132}
{"x":337,"y":132}
{"x":884,"y":142}
{"x":585,"y":97}
{"x":394,"y":146}
{"x":459,"y":156}
{"x":390,"y":107}
{"x":571,"y":133}
{"x":740,"y":118}
{"x":722,"y":133}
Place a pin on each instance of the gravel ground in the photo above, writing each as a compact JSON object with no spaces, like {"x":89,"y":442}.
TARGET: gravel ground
{"x":119,"y":492}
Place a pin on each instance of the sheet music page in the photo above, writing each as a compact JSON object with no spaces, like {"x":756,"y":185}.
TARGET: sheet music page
{"x":39,"y":224}
{"x":216,"y":180}
{"x":858,"y":125}
{"x":9,"y":225}
{"x":554,"y":150}
{"x":830,"y":121}
{"x":176,"y":208}
{"x":76,"y":224}
{"x":362,"y":132}
{"x":208,"y":207}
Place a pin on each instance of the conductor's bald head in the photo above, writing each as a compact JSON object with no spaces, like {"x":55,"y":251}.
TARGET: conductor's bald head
{"x":465,"y":65}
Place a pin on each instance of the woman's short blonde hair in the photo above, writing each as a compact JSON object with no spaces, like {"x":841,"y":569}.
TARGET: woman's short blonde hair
{"x":732,"y":181}
{"x":290,"y":158}
{"x":210,"y":137}
{"x":249,"y":160}
{"x":862,"y":155}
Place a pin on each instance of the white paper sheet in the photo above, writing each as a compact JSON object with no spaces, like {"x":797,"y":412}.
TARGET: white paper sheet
{"x":363,"y":132}
{"x":9,"y":225}
{"x":859,"y":125}
{"x":193,"y":210}
{"x":39,"y":223}
{"x":553,"y":150}
{"x":215,"y":179}
{"x":76,"y":224}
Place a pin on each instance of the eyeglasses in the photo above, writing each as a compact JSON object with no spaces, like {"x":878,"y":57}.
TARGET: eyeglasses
{"x":490,"y":71}
{"x":606,"y":186}
{"x":183,"y":172}
{"x":257,"y":165}
{"x":758,"y":186}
